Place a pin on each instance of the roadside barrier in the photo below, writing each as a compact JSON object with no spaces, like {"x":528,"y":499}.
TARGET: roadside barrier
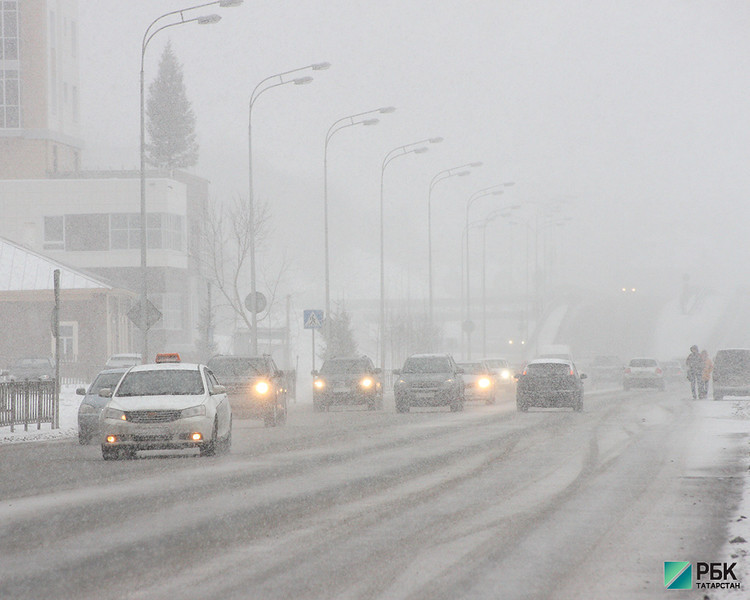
{"x":28,"y":402}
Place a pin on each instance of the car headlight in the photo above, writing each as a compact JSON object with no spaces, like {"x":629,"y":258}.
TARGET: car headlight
{"x":366,"y":383}
{"x":448,"y":382}
{"x":484,"y":382}
{"x":88,"y":409}
{"x":194,"y":411}
{"x":114,"y":413}
{"x":319,"y":384}
{"x":505,"y":374}
{"x":262,"y":387}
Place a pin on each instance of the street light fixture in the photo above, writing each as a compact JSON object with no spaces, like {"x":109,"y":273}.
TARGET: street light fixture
{"x":493,"y":190}
{"x":344,"y":122}
{"x":148,"y":35}
{"x":459,"y":171}
{"x":413,"y":148}
{"x":263,"y":86}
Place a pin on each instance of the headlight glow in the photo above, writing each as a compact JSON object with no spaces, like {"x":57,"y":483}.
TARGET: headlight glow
{"x":114,"y":413}
{"x":505,"y":374}
{"x":484,"y":382}
{"x":366,"y":382}
{"x":194,"y":411}
{"x":196,"y":437}
{"x":111,"y":439}
{"x":319,"y":384}
{"x":262,"y":387}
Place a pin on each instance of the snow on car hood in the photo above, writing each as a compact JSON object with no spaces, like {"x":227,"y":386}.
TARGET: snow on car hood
{"x":127,"y":403}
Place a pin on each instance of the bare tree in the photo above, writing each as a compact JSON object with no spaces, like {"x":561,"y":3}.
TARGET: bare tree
{"x":226,"y":254}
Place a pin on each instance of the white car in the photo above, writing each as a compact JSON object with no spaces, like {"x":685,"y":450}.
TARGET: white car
{"x":643,"y":372}
{"x":165,"y":406}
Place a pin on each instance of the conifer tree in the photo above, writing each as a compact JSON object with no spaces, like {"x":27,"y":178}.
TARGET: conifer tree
{"x":341,"y":342}
{"x":170,"y":118}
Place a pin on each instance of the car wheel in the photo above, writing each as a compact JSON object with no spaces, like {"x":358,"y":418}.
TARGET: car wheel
{"x":84,"y":437}
{"x":457,"y":404}
{"x":226,"y":443}
{"x":578,"y":405}
{"x":283,"y":414}
{"x":209,"y":448}
{"x":109,"y":453}
{"x":272,"y":417}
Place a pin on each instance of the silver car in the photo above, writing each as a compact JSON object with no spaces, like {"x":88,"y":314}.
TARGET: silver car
{"x":92,"y":403}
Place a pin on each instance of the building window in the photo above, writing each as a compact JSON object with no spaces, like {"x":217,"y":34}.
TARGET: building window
{"x":9,"y":30}
{"x":163,"y":231}
{"x":75,"y":104}
{"x":54,"y":233}
{"x":170,"y":306}
{"x":87,"y":232}
{"x":68,"y":341}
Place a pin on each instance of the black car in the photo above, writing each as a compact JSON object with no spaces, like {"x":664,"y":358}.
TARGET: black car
{"x":33,"y":368}
{"x":731,"y":374}
{"x":255,"y":386}
{"x":550,"y":382}
{"x":92,"y":403}
{"x":429,"y":380}
{"x":347,"y":380}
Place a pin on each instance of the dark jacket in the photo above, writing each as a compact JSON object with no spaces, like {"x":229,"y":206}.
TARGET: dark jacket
{"x":694,"y":364}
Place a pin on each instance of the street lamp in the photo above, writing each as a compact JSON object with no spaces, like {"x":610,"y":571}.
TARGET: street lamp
{"x":413,"y":148}
{"x":491,"y":217}
{"x":493,"y":190}
{"x":459,"y":171}
{"x":344,"y":122}
{"x":148,"y":35}
{"x":263,"y":86}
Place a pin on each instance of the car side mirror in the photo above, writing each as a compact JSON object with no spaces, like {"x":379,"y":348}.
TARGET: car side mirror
{"x":105,"y":392}
{"x":378,"y":371}
{"x":219,"y":389}
{"x":396,"y":371}
{"x":584,"y":376}
{"x":460,"y":371}
{"x":314,"y":372}
{"x":81,"y":391}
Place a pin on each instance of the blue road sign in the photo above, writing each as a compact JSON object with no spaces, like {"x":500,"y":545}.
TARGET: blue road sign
{"x":313,"y":319}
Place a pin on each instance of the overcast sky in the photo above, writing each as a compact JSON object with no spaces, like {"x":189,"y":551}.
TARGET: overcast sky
{"x":637,"y":114}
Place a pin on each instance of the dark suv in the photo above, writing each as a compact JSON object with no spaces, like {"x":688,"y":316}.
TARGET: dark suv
{"x":347,"y":380}
{"x":731,"y":375}
{"x":256,"y":388}
{"x":550,"y":382}
{"x":429,"y":380}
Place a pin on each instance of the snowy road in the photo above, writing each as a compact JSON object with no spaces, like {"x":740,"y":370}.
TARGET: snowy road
{"x":488,"y":503}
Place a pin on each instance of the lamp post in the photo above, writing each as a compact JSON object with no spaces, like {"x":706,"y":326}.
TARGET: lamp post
{"x":263,"y":86}
{"x":413,"y":148}
{"x":460,"y":171}
{"x":148,"y":35}
{"x":350,"y":121}
{"x":493,"y":190}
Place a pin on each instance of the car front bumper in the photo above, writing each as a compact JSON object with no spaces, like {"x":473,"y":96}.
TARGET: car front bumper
{"x":155,"y":436}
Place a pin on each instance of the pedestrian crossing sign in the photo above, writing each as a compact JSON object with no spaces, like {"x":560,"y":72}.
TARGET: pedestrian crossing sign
{"x":313,"y":319}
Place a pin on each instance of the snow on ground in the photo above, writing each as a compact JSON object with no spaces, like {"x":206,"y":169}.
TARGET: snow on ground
{"x":69,"y":403}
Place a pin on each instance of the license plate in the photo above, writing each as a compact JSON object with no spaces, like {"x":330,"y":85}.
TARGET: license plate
{"x":424,"y":394}
{"x":341,"y":390}
{"x":155,"y":431}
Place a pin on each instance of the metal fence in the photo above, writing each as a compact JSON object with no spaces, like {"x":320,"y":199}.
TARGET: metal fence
{"x":28,"y":402}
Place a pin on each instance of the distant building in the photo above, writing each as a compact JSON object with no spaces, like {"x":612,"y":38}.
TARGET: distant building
{"x":93,"y":315}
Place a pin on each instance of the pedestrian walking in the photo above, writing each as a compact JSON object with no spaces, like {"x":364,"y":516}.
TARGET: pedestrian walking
{"x":694,"y":364}
{"x":708,"y":367}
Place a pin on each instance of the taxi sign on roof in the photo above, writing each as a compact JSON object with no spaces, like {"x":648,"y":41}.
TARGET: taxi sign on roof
{"x":167,"y":357}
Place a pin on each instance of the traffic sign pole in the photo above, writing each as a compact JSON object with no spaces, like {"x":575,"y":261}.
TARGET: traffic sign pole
{"x":313,"y":349}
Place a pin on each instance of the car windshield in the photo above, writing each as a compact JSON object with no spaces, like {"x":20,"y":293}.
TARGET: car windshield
{"x":643,"y":362}
{"x":496,"y":364}
{"x":124,"y":360}
{"x":436,"y":364}
{"x":237,"y":367}
{"x":547,"y":369}
{"x":105,"y":380}
{"x":354,"y":365}
{"x":473,"y":368}
{"x":161,"y":382}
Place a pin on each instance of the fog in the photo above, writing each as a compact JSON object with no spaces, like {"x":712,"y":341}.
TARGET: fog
{"x":631,"y":117}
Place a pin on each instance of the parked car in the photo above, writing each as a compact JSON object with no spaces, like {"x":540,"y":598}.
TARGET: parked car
{"x":606,"y":369}
{"x":165,"y":406}
{"x":93,"y":404}
{"x":479,"y":382}
{"x":33,"y":368}
{"x":255,"y":385}
{"x":731,"y":374}
{"x":429,"y":380}
{"x":643,"y":372}
{"x":503,"y":373}
{"x":347,"y":380}
{"x":123,"y":360}
{"x":550,"y":383}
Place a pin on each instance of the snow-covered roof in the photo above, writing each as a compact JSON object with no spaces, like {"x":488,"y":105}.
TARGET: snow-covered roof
{"x":22,"y":269}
